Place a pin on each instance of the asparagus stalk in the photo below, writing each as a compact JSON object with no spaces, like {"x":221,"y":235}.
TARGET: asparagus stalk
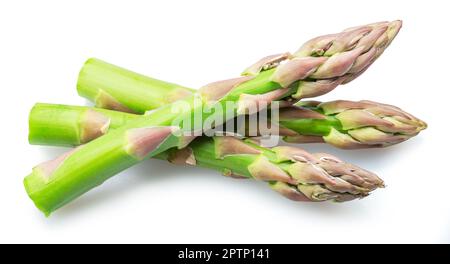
{"x":116,"y":88}
{"x":344,"y":124}
{"x":290,"y":171}
{"x":53,"y":184}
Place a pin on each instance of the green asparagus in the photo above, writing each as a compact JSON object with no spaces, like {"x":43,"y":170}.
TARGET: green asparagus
{"x":343,"y":56}
{"x":116,"y":88}
{"x":298,"y":123}
{"x":344,"y":124}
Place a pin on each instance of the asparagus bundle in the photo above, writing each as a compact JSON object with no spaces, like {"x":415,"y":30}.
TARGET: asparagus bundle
{"x":293,"y":172}
{"x":343,"y":124}
{"x":340,"y":57}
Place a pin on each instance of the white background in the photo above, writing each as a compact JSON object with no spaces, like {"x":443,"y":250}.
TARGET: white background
{"x":43,"y":44}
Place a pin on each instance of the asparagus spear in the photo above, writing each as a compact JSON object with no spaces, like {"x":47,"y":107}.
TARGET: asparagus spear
{"x":53,"y":184}
{"x":293,"y":172}
{"x":344,"y":124}
{"x":116,"y":88}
